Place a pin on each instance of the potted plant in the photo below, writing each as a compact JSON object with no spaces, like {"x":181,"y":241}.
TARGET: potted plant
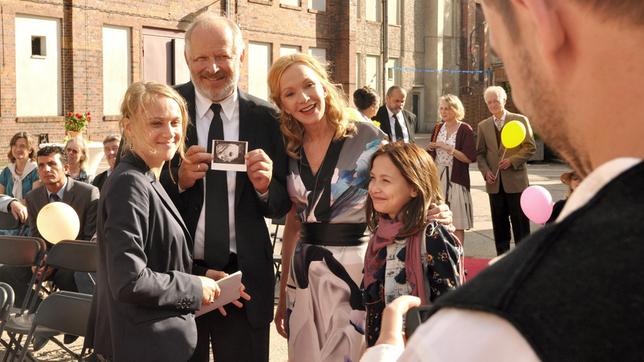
{"x":75,"y":123}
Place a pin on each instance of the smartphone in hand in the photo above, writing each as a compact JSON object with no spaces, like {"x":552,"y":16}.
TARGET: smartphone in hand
{"x":415,"y":317}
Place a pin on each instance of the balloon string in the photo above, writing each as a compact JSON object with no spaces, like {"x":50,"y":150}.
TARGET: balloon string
{"x":497,"y":166}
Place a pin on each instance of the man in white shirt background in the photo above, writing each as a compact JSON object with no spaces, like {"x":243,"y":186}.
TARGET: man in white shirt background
{"x":571,"y":291}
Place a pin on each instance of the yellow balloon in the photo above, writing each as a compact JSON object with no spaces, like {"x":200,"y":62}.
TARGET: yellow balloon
{"x":58,"y":221}
{"x":513,"y":134}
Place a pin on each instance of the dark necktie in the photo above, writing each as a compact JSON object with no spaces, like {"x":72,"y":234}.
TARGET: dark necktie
{"x":399,"y":133}
{"x":217,"y":235}
{"x":498,"y":135}
{"x":54,"y":198}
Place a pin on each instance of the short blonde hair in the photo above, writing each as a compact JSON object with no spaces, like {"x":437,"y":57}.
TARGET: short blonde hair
{"x":454,"y":104}
{"x":334,"y":99}
{"x":137,"y":97}
{"x":496,"y":90}
{"x":83,"y":149}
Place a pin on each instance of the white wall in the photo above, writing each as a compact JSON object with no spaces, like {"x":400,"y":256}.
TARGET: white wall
{"x":290,"y":2}
{"x":289,"y":49}
{"x":372,"y":72}
{"x":259,"y":60}
{"x":372,"y":10}
{"x":317,"y":5}
{"x":117,"y":65}
{"x":319,"y":54}
{"x":393,"y":73}
{"x":38,"y":78}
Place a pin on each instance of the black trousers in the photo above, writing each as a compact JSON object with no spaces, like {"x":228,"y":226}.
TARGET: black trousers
{"x":232,"y":337}
{"x":18,"y":278}
{"x":506,"y":208}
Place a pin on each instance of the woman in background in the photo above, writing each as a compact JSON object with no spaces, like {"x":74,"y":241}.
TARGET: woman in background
{"x":366,"y":101}
{"x":76,"y":150}
{"x":20,"y":176}
{"x":453,"y":149}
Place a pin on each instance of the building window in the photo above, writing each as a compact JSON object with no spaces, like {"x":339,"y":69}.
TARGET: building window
{"x":372,"y":72}
{"x":259,"y":61}
{"x":319,"y":54}
{"x":163,"y":56}
{"x":372,"y":10}
{"x":35,"y":73}
{"x":393,"y":12}
{"x":289,"y":49}
{"x":393,"y":72}
{"x":294,"y":3}
{"x":117,"y":65}
{"x":319,"y":5}
{"x":38,"y":46}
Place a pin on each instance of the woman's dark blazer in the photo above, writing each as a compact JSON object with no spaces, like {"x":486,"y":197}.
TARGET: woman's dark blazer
{"x":145,"y":295}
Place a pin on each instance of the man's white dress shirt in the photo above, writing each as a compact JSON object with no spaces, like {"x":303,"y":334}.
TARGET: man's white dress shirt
{"x":403,"y":125}
{"x":230,"y":118}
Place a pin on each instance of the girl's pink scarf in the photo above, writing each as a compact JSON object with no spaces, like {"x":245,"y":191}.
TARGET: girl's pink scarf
{"x":385,"y":235}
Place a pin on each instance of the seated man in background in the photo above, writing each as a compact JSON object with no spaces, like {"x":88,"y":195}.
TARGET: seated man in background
{"x":82,"y":197}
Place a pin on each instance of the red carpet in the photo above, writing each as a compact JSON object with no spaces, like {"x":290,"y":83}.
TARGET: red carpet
{"x":474,"y":266}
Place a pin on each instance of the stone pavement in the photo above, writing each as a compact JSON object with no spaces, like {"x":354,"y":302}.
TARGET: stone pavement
{"x":479,"y":241}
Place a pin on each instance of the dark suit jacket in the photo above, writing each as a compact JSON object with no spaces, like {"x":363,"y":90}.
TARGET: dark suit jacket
{"x":258,"y":124}
{"x":99,"y":180}
{"x":489,"y":152}
{"x":410,"y":120}
{"x":79,"y":195}
{"x":145,"y":294}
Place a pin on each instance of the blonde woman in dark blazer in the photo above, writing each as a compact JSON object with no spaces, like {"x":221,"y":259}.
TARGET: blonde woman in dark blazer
{"x":146,"y":295}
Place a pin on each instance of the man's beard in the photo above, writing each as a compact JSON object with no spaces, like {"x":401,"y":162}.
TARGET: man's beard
{"x":218,"y":94}
{"x":548,"y":115}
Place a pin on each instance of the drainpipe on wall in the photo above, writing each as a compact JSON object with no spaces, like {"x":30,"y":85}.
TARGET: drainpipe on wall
{"x":227,"y":8}
{"x":385,"y":47}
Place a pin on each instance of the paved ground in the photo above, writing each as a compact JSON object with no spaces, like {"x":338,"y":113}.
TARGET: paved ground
{"x":478,"y":241}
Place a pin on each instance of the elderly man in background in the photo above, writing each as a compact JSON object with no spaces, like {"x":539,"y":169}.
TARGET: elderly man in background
{"x":504,"y":170}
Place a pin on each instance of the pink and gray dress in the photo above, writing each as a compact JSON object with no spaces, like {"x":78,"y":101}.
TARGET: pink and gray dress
{"x":323,"y":292}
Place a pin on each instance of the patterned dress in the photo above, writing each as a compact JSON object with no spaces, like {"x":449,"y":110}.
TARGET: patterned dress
{"x":457,"y":196}
{"x":442,"y":264}
{"x":323,"y":294}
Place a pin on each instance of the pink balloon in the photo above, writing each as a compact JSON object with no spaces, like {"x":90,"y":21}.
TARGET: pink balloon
{"x":536,"y":203}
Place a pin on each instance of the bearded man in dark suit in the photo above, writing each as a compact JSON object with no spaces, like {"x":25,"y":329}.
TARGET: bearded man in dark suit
{"x":225,"y":210}
{"x":397,"y":123}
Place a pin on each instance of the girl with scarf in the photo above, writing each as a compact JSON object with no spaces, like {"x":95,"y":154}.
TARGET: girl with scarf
{"x":20,"y":176}
{"x":407,"y":255}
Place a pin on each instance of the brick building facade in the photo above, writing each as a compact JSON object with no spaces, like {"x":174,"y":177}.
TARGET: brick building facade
{"x":433,"y":47}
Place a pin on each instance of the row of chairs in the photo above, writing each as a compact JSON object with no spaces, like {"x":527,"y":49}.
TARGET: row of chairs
{"x":60,"y":312}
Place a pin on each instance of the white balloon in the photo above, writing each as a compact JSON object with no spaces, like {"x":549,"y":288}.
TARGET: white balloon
{"x":58,"y":221}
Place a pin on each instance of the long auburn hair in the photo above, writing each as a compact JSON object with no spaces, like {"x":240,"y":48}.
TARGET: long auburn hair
{"x":334,"y":99}
{"x":420,"y":172}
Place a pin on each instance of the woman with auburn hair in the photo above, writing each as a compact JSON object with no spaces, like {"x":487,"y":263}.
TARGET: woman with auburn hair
{"x":327,"y":182}
{"x":146,"y":295}
{"x":20,"y":176}
{"x":453,"y":149}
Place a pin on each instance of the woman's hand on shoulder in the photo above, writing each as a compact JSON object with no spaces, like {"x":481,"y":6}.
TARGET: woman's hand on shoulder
{"x":442,"y":214}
